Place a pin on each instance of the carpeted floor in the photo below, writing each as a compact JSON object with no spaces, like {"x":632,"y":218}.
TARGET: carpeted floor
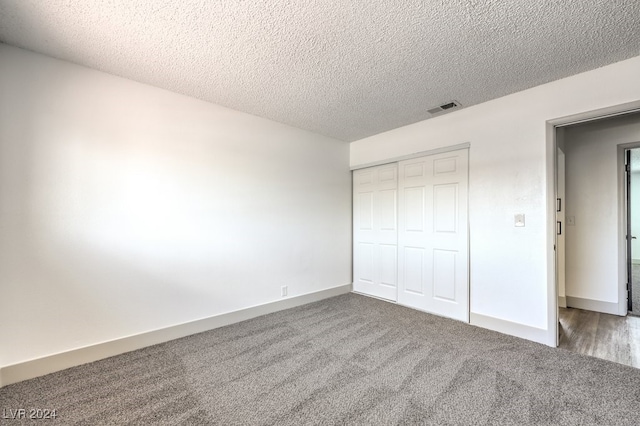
{"x":344,"y":360}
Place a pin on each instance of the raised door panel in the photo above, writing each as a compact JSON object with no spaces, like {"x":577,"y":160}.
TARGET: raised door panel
{"x":447,"y":164}
{"x":365,"y":263}
{"x":413,"y":170}
{"x":444,"y":275}
{"x":413,"y":209}
{"x":413,"y":265}
{"x":365,"y":211}
{"x":388,"y":174}
{"x":388,"y":265}
{"x":445,"y":208}
{"x":387,"y":209}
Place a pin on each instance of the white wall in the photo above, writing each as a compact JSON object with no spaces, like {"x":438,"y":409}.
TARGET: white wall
{"x":509,"y":266}
{"x":595,"y":262}
{"x":125,"y":208}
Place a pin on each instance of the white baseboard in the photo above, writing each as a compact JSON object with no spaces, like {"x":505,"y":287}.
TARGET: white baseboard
{"x":562,"y":301}
{"x":49,"y":364}
{"x":538,"y":335}
{"x":592,"y":305}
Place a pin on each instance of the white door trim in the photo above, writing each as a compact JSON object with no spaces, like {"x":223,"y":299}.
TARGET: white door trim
{"x":465,"y":145}
{"x":622,"y":226}
{"x":551,"y":188}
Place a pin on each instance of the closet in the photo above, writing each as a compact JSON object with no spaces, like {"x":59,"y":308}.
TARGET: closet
{"x":411,"y":233}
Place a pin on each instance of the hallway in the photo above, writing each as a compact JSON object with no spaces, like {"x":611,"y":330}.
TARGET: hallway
{"x":600,"y":335}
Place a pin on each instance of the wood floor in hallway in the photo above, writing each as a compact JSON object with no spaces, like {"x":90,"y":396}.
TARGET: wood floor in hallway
{"x":605,"y":336}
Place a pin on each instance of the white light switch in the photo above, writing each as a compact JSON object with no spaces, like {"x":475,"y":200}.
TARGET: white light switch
{"x":571,"y":220}
{"x":519,"y":219}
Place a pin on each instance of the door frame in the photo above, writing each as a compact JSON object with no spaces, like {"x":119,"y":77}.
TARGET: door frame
{"x":625,"y":159}
{"x":551,"y":189}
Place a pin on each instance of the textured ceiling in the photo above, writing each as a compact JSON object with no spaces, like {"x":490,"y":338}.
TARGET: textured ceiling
{"x":346,"y":69}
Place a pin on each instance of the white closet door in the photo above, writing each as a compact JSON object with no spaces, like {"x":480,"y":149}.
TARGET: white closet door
{"x":375,"y":233}
{"x":432,"y":235}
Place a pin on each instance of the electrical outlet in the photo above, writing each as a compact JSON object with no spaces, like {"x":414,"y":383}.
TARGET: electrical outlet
{"x":284,"y":290}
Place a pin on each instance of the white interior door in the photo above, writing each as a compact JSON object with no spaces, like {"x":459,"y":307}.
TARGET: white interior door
{"x":375,"y":231}
{"x":560,"y":237}
{"x":433,"y":234}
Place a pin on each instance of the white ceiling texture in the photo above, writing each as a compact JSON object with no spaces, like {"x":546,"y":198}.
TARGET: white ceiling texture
{"x":342,"y":68}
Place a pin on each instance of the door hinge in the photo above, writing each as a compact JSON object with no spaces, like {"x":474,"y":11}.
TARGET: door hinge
{"x":627,"y":167}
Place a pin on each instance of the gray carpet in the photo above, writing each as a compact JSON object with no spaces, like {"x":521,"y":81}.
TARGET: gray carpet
{"x":345,"y":360}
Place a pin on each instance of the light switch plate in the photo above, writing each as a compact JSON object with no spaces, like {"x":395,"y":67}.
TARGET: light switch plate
{"x":571,"y":221}
{"x":519,"y":219}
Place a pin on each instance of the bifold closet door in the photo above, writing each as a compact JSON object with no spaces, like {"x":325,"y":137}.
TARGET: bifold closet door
{"x":433,"y":234}
{"x":375,"y":231}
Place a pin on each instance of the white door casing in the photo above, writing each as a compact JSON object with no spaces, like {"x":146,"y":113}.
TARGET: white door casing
{"x":375,"y":233}
{"x":433,"y":234}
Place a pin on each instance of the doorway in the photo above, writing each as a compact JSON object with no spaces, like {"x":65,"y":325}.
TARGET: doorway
{"x":591,"y":215}
{"x":594,"y":227}
{"x":632,"y":174}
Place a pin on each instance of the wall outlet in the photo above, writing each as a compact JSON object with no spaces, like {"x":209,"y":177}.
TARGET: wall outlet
{"x":284,"y":290}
